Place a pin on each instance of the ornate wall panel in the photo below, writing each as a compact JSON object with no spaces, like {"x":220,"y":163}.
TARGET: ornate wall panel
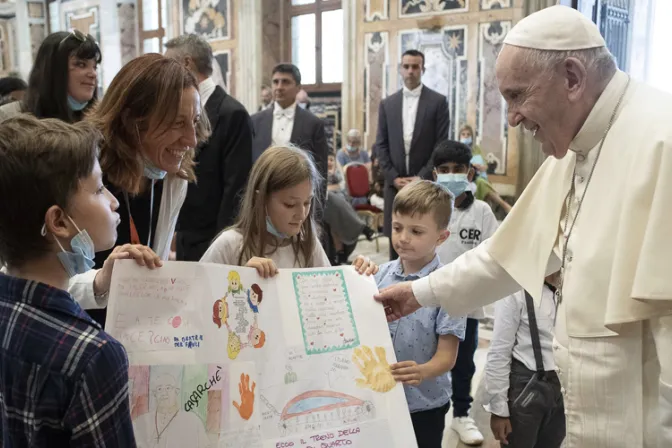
{"x":494,"y":4}
{"x":221,"y":69}
{"x":128,"y":34}
{"x":428,"y":7}
{"x":492,"y":126}
{"x":445,"y":66}
{"x":376,"y":79}
{"x":208,"y":18}
{"x":376,"y":10}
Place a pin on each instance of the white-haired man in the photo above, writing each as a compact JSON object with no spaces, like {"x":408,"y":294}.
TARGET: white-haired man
{"x":599,"y":209}
{"x":352,"y":152}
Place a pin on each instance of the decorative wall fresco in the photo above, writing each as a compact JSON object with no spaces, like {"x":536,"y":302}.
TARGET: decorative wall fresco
{"x":128,"y":31}
{"x":492,"y":126}
{"x":38,"y":31}
{"x":85,"y":20}
{"x":445,"y":66}
{"x":376,"y":79}
{"x":221,"y":69}
{"x":36,"y":10}
{"x":494,"y":4}
{"x":428,"y":7}
{"x":208,"y":18}
{"x":376,"y":10}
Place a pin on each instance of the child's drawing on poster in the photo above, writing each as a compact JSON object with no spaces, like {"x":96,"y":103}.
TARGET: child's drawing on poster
{"x":220,"y":357}
{"x":168,"y":418}
{"x":237,"y":312}
{"x":325,"y":310}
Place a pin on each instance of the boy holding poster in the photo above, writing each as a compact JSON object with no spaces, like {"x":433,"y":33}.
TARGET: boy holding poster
{"x":63,"y":380}
{"x":426,"y":341}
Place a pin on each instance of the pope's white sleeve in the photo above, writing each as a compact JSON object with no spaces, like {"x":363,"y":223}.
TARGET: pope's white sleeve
{"x":81,"y":289}
{"x":473,"y":280}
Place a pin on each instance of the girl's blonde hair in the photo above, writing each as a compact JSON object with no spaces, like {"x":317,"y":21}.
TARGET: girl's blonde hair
{"x":278,"y":168}
{"x":467,"y":127}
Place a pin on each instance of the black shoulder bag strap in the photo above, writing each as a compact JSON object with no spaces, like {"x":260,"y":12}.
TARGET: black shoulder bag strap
{"x":534,"y":333}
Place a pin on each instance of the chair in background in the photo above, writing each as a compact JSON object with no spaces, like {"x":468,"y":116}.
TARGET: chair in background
{"x":357,"y":181}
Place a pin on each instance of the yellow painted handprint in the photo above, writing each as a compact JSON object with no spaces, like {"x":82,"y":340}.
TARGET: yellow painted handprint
{"x":377,"y":374}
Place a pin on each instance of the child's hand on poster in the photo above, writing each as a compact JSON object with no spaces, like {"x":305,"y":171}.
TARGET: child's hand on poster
{"x":246,"y":406}
{"x":265,"y":266}
{"x":377,"y":375}
{"x":407,"y":372}
{"x":364,"y":265}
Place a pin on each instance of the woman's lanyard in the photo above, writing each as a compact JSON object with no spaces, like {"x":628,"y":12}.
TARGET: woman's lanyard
{"x":135,"y":238}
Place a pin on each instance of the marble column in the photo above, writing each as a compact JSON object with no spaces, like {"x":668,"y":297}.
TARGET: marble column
{"x":248,"y":68}
{"x":24,"y":51}
{"x":348,"y":101}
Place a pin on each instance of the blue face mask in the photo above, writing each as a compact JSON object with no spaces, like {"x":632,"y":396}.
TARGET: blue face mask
{"x":467,"y":141}
{"x":351,"y":148}
{"x":153,"y":172}
{"x":75,"y":105}
{"x":80,"y":260}
{"x":270,"y":228}
{"x":453,"y":182}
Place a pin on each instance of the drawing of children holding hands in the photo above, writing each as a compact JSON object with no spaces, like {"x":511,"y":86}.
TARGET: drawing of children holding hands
{"x":220,"y":312}
{"x":254,"y":296}
{"x":235,"y":285}
{"x":233,"y":347}
{"x":256,"y":338}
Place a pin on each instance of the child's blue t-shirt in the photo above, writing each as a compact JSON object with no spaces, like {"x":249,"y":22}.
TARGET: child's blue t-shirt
{"x":415,"y":337}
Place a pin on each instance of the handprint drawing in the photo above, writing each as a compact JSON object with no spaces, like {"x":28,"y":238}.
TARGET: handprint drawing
{"x":377,"y":374}
{"x":246,"y":406}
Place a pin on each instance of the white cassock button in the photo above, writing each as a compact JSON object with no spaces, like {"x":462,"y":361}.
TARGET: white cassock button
{"x":580,"y":179}
{"x":580,"y":157}
{"x":555,"y":346}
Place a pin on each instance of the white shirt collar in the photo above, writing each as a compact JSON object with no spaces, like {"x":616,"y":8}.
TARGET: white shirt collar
{"x":206,"y":88}
{"x":277,"y":107}
{"x":414,"y":92}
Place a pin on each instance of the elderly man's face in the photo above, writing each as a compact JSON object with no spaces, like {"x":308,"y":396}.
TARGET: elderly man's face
{"x":166,"y":392}
{"x":355,"y":142}
{"x":539,"y":101}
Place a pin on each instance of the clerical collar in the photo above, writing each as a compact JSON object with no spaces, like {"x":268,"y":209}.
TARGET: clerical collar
{"x":593,"y":129}
{"x":278,"y":108}
{"x":415,"y":91}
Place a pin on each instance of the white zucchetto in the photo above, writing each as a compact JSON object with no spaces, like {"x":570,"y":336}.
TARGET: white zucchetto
{"x":558,"y":28}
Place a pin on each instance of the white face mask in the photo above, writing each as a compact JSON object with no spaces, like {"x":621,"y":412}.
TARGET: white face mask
{"x":81,"y":259}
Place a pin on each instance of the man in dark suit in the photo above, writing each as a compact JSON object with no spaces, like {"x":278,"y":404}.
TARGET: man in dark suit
{"x":285,"y":123}
{"x":223,"y":162}
{"x":410,"y":123}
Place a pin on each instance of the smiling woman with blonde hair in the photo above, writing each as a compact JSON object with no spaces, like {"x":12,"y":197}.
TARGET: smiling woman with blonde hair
{"x":151,"y":122}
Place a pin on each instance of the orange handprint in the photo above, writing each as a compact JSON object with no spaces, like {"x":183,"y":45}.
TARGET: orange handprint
{"x":246,"y":407}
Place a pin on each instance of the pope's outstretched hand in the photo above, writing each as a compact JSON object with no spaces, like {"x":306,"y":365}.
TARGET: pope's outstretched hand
{"x":398,"y":300}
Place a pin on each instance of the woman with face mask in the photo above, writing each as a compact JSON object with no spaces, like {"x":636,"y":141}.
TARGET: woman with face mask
{"x":151,"y":122}
{"x":63,"y":83}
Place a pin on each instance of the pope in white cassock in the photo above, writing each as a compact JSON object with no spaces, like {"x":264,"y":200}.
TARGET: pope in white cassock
{"x":168,"y":426}
{"x":600,"y":210}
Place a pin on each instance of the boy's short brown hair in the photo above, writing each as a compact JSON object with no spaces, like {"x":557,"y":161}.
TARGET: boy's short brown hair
{"x":423,"y":197}
{"x":41,"y":164}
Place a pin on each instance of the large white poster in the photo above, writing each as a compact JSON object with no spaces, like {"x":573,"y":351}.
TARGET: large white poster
{"x":221,"y":357}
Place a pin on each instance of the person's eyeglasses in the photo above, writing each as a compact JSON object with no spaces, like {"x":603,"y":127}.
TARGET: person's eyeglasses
{"x":76,"y":34}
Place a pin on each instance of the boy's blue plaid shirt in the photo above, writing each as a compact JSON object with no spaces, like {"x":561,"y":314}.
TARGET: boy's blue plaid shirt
{"x":63,"y":381}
